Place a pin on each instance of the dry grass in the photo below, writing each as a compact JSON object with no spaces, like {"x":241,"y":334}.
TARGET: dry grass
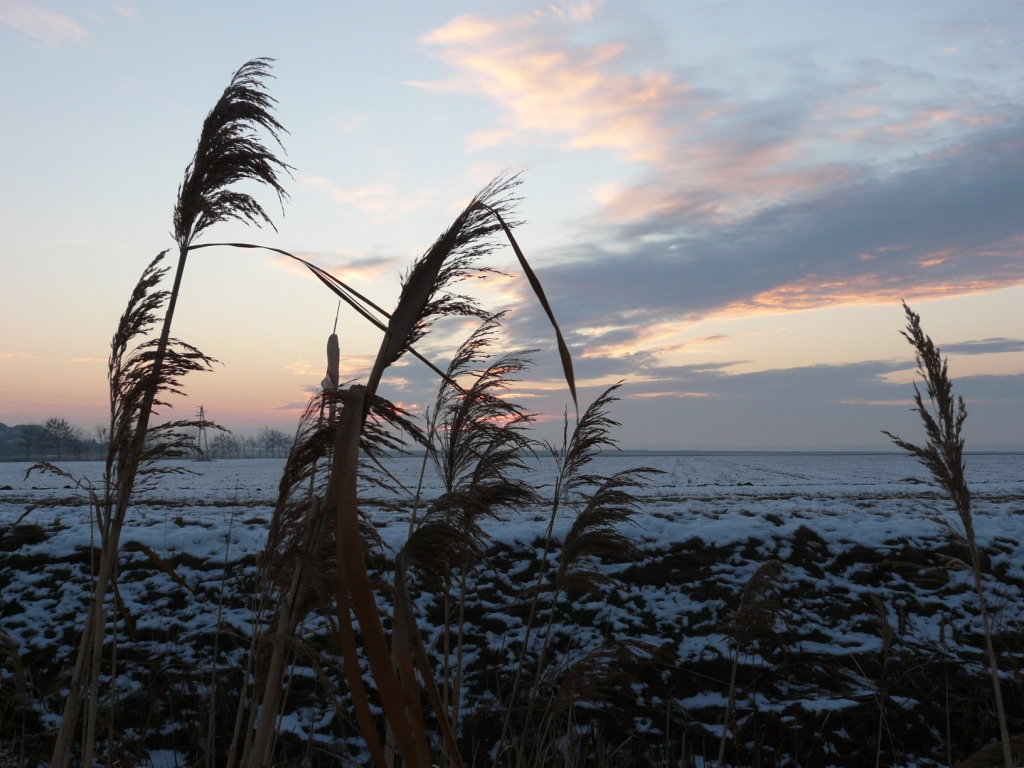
{"x":943,"y":455}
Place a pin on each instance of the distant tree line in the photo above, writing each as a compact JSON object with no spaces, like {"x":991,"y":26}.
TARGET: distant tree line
{"x":268,"y":442}
{"x":56,"y":438}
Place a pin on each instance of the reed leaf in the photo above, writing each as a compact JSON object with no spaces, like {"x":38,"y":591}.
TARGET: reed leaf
{"x":354,"y":590}
{"x":538,"y":290}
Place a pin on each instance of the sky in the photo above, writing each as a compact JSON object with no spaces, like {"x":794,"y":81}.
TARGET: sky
{"x":725,"y":202}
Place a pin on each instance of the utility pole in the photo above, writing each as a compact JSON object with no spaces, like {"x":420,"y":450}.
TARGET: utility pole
{"x":202,"y":445}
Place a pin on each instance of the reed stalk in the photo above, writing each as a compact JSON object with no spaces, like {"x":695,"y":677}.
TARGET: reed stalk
{"x":942,"y":455}
{"x":212,"y":724}
{"x":590,"y":433}
{"x":752,"y":622}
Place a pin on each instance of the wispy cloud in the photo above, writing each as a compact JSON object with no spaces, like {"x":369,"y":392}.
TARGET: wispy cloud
{"x":300,"y":368}
{"x":366,"y":268}
{"x":992,"y":346}
{"x":924,"y":237}
{"x":705,"y":153}
{"x":382,"y":198}
{"x":43,"y":26}
{"x":643,"y":395}
{"x":832,"y":190}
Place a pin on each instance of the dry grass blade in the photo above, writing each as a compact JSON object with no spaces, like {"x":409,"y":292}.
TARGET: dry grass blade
{"x":354,"y":587}
{"x":753,"y":621}
{"x":757,"y":616}
{"x":538,"y":290}
{"x":9,"y":649}
{"x":408,"y":640}
{"x":164,"y":566}
{"x":403,"y":609}
{"x":403,"y":626}
{"x":881,"y":618}
{"x":343,"y":481}
{"x":343,"y":291}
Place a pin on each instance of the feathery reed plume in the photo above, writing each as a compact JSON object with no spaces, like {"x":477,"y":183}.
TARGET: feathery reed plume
{"x":754,"y":621}
{"x":942,"y":455}
{"x":296,"y":564}
{"x":594,"y":534}
{"x":424,"y":298}
{"x":592,"y":431}
{"x":228,"y":152}
{"x":450,"y":260}
{"x":136,"y":385}
{"x":601,"y":674}
{"x":592,"y":680}
{"x":480,"y":445}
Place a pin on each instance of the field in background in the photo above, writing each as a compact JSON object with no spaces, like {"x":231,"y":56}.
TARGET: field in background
{"x":847,"y":527}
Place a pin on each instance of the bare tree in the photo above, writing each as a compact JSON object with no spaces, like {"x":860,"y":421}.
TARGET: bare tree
{"x":28,"y":436}
{"x":272,"y":441}
{"x":58,"y":432}
{"x":282,"y":443}
{"x":102,"y":433}
{"x":224,"y":445}
{"x":77,"y":442}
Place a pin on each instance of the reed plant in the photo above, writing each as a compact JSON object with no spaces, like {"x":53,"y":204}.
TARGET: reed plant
{"x":142,"y":370}
{"x":481,"y":442}
{"x":754,"y":622}
{"x":600,"y":506}
{"x":322,"y":551}
{"x":478,"y":447}
{"x":943,"y":456}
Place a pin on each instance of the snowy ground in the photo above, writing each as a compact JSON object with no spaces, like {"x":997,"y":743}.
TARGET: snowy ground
{"x":846,"y":526}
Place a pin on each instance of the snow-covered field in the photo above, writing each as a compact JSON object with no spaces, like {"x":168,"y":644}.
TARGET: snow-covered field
{"x":849,"y":529}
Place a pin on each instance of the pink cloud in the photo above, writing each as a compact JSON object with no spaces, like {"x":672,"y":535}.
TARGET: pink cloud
{"x":694,"y":143}
{"x":44,"y":26}
{"x":380,"y":198}
{"x":545,"y":85}
{"x":889,"y":287}
{"x":703,"y":153}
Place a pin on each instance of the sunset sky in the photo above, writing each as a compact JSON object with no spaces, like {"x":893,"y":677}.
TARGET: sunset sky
{"x":725,"y":202}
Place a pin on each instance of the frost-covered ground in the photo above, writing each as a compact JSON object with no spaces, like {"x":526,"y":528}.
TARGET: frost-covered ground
{"x":847,"y":527}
